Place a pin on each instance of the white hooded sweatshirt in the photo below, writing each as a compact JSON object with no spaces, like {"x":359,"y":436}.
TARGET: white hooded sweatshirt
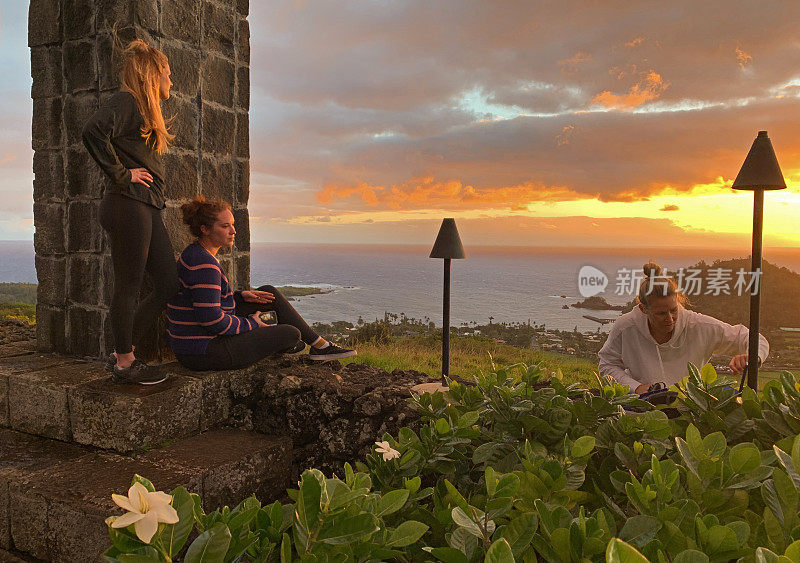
{"x":632,"y":356}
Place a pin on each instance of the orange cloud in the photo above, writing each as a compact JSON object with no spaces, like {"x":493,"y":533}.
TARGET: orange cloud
{"x":648,"y":88}
{"x":564,"y":137}
{"x":670,"y":207}
{"x":427,"y":193}
{"x":570,"y":65}
{"x":742,"y":58}
{"x":8,"y":158}
{"x":634,"y":42}
{"x":367,"y":193}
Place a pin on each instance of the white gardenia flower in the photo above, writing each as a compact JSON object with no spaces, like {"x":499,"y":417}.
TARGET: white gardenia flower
{"x":388,"y":452}
{"x":145,"y":511}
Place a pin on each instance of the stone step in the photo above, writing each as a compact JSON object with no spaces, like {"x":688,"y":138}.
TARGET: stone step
{"x":74,"y":400}
{"x":17,"y":373}
{"x":58,"y":495}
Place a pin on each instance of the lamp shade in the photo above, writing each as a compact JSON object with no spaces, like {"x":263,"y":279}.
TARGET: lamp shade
{"x":448,"y":243}
{"x":760,"y":170}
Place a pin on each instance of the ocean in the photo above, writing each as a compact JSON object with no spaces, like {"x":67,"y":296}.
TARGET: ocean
{"x":509,"y":284}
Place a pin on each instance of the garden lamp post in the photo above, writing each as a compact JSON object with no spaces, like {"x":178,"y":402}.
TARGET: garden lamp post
{"x":447,"y":246}
{"x":759,"y":172}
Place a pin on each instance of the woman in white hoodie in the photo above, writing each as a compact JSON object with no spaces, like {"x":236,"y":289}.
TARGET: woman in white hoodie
{"x":655,"y":341}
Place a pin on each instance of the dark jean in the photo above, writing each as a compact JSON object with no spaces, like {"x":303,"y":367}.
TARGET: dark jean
{"x":238,"y":351}
{"x":139,"y":244}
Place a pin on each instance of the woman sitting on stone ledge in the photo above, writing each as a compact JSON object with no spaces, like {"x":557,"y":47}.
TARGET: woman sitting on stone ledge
{"x":210,"y":327}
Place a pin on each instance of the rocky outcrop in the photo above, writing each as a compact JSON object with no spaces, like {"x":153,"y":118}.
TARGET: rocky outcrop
{"x":331,"y":413}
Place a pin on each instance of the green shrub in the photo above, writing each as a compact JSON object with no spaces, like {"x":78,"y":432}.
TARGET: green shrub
{"x":517,"y":468}
{"x":19,"y":311}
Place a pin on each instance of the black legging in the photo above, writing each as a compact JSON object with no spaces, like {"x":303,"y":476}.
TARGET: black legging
{"x":241,"y":350}
{"x":139,"y":244}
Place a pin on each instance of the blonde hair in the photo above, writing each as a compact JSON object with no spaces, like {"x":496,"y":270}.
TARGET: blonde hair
{"x":655,"y":284}
{"x":142,"y":66}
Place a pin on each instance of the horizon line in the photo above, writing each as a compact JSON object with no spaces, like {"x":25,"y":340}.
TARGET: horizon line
{"x":509,"y":246}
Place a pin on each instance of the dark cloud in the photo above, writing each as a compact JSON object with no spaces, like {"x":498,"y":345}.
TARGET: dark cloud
{"x":376,"y":99}
{"x":404,"y":54}
{"x":620,"y":156}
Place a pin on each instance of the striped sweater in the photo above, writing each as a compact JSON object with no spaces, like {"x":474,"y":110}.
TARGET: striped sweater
{"x":204,"y":306}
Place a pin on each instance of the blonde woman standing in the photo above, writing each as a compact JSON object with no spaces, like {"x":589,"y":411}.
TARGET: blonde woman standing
{"x":126,"y":137}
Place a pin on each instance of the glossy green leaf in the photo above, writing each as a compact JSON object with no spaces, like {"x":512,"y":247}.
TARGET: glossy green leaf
{"x":468,"y":419}
{"x":490,"y":477}
{"x":348,"y":529}
{"x":461,"y":519}
{"x":447,"y":554}
{"x":499,"y":552}
{"x":144,"y":482}
{"x":407,"y":533}
{"x":210,"y":546}
{"x":788,"y":465}
{"x":412,"y":485}
{"x":583,"y":446}
{"x":507,"y":485}
{"x":286,"y":549}
{"x":715,"y":444}
{"x":764,"y":555}
{"x":519,"y":532}
{"x":457,"y":497}
{"x":308,"y":501}
{"x":392,"y":501}
{"x":721,"y":539}
{"x":151,"y":556}
{"x":744,"y":458}
{"x":618,"y":551}
{"x":793,"y":552}
{"x":174,"y":536}
{"x":708,"y":374}
{"x":640,"y":529}
{"x":691,"y":556}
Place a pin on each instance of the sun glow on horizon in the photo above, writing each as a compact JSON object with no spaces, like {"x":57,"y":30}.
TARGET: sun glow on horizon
{"x":711,"y":208}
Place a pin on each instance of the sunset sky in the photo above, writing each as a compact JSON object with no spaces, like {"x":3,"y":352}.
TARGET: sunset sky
{"x":593,"y":123}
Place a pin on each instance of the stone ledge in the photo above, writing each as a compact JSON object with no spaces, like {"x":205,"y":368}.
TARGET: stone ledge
{"x":22,"y":455}
{"x":125,"y":418}
{"x":38,"y":394}
{"x":228,"y":474}
{"x":24,"y":366}
{"x":58,"y":512}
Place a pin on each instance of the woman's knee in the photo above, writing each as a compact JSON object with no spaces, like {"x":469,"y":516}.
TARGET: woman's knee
{"x":269,"y":288}
{"x":290,"y":333}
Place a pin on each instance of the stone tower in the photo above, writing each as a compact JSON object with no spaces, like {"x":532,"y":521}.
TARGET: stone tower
{"x":208,"y":45}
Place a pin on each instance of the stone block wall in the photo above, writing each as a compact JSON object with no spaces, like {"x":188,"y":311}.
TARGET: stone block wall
{"x":207,"y":43}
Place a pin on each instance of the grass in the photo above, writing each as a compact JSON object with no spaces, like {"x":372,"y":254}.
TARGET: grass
{"x":765,"y":375}
{"x":472,"y":355}
{"x":469,"y":356}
